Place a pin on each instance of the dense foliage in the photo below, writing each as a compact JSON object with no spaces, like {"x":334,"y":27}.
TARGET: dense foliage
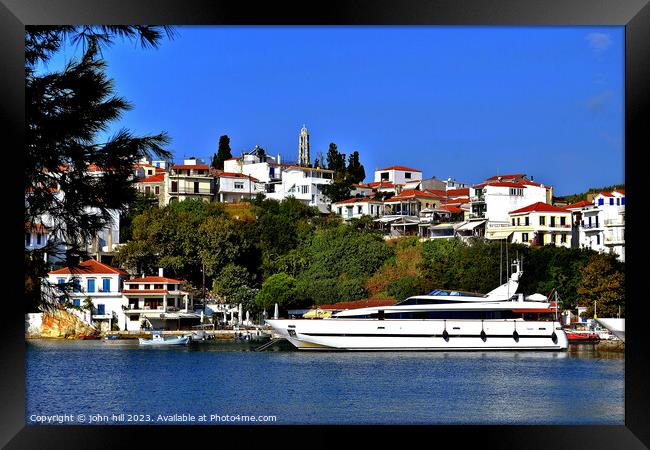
{"x":289,"y":254}
{"x":223,"y":153}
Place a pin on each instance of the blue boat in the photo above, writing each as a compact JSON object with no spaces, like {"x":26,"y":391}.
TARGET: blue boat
{"x":158,"y":339}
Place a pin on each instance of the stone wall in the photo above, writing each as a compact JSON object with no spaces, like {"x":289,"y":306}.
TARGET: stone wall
{"x":63,"y":324}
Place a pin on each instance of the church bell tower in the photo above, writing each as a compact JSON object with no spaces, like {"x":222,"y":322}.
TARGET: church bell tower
{"x":303,"y":148}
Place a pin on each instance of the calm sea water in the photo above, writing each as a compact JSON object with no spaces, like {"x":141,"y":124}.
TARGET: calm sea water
{"x":76,"y":381}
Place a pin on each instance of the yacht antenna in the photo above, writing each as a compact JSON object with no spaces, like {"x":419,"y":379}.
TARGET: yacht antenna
{"x":507,"y":271}
{"x":501,"y":262}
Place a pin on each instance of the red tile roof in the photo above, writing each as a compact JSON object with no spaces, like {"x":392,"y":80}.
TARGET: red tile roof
{"x":358,"y":200}
{"x":579,"y":205}
{"x":439,"y":192}
{"x":457,"y":201}
{"x":236,"y":175}
{"x":606,"y":194}
{"x":191,"y":166}
{"x":89,"y":267}
{"x":540,"y":207}
{"x":158,"y":178}
{"x":455,"y":192}
{"x":367,"y":303}
{"x":152,"y":279}
{"x":408,"y":169}
{"x":451,"y":209}
{"x":620,"y":191}
{"x":506,"y":177}
{"x":35,"y":228}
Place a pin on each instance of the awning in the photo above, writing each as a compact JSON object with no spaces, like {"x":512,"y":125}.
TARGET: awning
{"x":471,"y":225}
{"x":317,"y":313}
{"x":498,"y":234}
{"x":170,"y":315}
{"x":442,"y":226}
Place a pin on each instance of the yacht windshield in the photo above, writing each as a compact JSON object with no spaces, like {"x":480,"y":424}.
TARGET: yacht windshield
{"x":442,"y":293}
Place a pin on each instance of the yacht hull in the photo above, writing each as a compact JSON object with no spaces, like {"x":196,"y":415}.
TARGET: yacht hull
{"x":426,"y":335}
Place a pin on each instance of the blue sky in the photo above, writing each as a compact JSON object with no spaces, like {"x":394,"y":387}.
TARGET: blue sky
{"x":462,"y":102}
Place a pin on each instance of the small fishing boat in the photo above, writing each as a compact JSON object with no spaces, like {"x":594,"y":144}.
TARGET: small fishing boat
{"x":581,"y":333}
{"x":158,"y":339}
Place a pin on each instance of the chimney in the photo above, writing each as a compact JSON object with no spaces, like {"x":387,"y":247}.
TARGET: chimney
{"x":160,"y":272}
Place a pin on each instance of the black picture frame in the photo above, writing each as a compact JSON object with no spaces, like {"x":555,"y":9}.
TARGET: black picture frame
{"x":633,"y":14}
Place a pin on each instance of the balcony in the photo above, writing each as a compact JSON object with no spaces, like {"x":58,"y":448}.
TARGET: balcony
{"x":477,"y":215}
{"x":477,"y":199}
{"x":191,"y":191}
{"x":614,"y":222}
{"x":614,"y":240}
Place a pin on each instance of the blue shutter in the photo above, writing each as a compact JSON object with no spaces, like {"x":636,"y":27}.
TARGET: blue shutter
{"x":601,"y":201}
{"x":622,"y":200}
{"x":91,"y":285}
{"x":611,"y":201}
{"x":100,"y":310}
{"x":76,"y":302}
{"x":107,"y":285}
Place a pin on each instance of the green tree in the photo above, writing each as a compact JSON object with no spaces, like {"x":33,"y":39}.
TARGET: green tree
{"x":223,"y":153}
{"x":67,"y":113}
{"x":603,"y":286}
{"x":229,"y":280}
{"x":336,"y":160}
{"x":140,"y":203}
{"x":355,"y":172}
{"x":279,"y":288}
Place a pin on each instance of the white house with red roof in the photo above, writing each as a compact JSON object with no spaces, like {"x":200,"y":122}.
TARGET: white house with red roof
{"x":493,"y":200}
{"x":588,"y":225}
{"x":100,"y":283}
{"x":536,"y":224}
{"x":192,"y":179}
{"x":612,"y":214}
{"x":355,"y":208}
{"x":235,"y":187}
{"x":398,"y":175}
{"x":158,"y":302}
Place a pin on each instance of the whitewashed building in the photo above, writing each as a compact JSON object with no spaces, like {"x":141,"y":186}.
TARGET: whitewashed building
{"x":493,"y":200}
{"x":304,"y":184}
{"x":355,"y":208}
{"x":158,"y":302}
{"x":588,"y":227}
{"x":612,"y":205}
{"x":397,"y":175}
{"x":100,"y":283}
{"x":235,"y":187}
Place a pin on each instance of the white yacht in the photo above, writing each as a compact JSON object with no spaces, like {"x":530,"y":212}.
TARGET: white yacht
{"x":442,"y":320}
